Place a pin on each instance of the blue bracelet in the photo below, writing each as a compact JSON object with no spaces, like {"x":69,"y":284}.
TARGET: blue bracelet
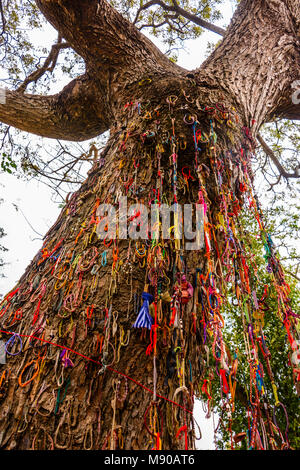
{"x":12,"y":340}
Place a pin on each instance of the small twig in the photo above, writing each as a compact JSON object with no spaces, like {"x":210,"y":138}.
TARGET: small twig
{"x":19,"y":209}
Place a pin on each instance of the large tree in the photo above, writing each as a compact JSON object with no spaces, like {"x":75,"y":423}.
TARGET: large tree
{"x":81,"y":372}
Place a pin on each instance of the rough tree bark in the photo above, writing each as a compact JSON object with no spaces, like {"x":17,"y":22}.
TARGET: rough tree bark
{"x":83,"y":294}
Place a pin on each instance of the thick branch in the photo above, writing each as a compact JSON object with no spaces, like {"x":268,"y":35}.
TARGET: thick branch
{"x":255,"y":64}
{"x":287,"y":109}
{"x":116,"y":54}
{"x":105,"y":40}
{"x":73,"y":114}
{"x":258,"y":60}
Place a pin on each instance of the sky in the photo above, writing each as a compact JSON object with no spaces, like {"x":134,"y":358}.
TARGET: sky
{"x":37,"y":212}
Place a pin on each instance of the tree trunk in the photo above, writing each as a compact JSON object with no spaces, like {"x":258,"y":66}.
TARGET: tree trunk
{"x":93,"y":380}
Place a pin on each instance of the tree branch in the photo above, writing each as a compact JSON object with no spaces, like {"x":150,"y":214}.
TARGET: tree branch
{"x":180,"y":12}
{"x":73,"y":114}
{"x":293,"y":275}
{"x":198,"y":21}
{"x":282,"y":172}
{"x":254,"y":65}
{"x":48,"y":65}
{"x":258,"y":60}
{"x":103,"y":38}
{"x":287,"y":109}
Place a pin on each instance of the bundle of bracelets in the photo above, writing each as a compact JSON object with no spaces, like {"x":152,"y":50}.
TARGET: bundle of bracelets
{"x":92,"y":315}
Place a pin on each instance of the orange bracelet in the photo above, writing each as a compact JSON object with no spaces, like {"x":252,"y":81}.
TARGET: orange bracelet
{"x":37,"y":367}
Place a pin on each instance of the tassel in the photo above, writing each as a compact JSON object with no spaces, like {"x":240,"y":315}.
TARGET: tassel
{"x":224,"y":381}
{"x":144,"y":319}
{"x":157,"y":442}
{"x":178,"y":435}
{"x":174,"y":307}
{"x":204,"y":389}
{"x":65,"y":359}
